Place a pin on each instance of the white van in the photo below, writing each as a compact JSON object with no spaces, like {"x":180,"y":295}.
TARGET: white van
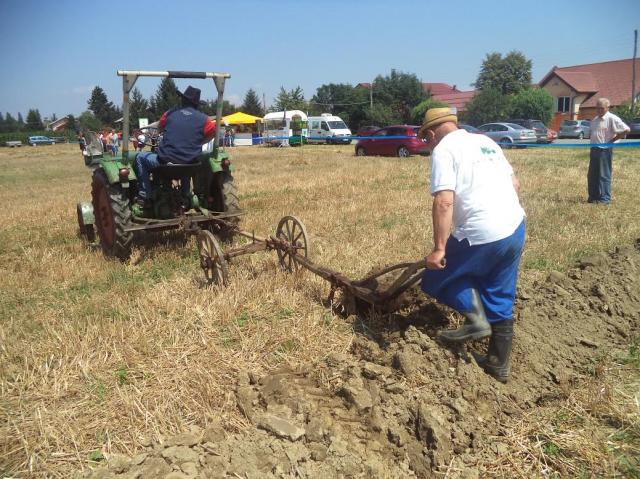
{"x":328,"y":128}
{"x":277,"y":126}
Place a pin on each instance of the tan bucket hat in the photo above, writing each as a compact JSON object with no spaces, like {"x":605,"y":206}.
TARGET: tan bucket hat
{"x":436,"y":116}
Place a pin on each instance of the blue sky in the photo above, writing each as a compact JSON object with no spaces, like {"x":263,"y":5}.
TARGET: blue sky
{"x":54,"y":52}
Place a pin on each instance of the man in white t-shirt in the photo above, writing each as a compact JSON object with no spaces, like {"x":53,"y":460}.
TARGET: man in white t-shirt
{"x":606,"y":129}
{"x":474,"y":268}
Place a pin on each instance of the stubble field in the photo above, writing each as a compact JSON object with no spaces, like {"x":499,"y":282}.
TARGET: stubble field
{"x":99,"y":356}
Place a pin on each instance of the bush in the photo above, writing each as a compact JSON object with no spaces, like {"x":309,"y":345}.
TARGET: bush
{"x":624,"y":112}
{"x":534,"y":103}
{"x":487,"y":106}
{"x":418,"y":111}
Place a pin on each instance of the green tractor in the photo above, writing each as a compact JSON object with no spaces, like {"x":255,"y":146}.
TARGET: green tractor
{"x":116,"y":218}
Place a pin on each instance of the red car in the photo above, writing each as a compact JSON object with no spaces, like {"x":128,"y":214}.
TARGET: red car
{"x":394,"y":140}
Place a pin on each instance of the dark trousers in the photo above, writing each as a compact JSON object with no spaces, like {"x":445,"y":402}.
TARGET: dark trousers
{"x":599,"y":175}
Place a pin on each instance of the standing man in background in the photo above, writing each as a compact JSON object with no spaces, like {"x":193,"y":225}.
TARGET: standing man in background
{"x":606,"y":128}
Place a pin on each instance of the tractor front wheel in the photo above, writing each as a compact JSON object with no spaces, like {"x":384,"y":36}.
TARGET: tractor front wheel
{"x":112,"y":212}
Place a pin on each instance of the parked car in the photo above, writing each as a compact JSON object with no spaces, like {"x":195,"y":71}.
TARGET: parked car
{"x":394,"y":140}
{"x":59,"y":139}
{"x":508,"y":134}
{"x":40,"y":140}
{"x":634,"y":125}
{"x":535,"y":125}
{"x":367,"y":130}
{"x":470,"y":129}
{"x":575,"y":129}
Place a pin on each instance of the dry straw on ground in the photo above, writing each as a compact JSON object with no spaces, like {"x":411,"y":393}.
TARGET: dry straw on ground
{"x":97,"y":355}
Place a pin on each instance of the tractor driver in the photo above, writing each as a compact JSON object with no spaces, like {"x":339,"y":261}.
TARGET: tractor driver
{"x":474,"y":269}
{"x":185,"y":129}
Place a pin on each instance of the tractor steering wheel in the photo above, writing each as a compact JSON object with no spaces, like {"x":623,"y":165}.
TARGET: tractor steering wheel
{"x":152,"y":136}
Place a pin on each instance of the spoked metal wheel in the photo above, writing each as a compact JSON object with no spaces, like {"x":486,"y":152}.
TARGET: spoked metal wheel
{"x":212,"y":259}
{"x":291,"y":230}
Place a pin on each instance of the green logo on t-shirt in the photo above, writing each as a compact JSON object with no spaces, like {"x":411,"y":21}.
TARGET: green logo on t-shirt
{"x":487,"y":150}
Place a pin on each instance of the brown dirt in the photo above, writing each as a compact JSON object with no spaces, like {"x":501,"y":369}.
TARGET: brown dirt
{"x":401,"y":404}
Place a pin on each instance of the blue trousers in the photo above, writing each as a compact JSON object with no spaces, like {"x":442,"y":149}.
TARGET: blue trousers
{"x":146,"y":162}
{"x":599,"y":175}
{"x":491,"y":269}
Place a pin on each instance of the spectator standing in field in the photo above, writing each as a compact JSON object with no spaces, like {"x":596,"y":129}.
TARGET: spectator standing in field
{"x":82,"y":142}
{"x":185,"y":129}
{"x":114,"y":143}
{"x":606,"y":128}
{"x":227,"y":136}
{"x":474,"y":269}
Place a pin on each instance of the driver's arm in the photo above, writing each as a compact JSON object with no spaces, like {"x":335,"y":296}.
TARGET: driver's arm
{"x":163,"y":121}
{"x":209,"y":131}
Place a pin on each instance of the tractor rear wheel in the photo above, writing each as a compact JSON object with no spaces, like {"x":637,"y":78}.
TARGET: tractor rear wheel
{"x":226,"y":201}
{"x":112,"y":212}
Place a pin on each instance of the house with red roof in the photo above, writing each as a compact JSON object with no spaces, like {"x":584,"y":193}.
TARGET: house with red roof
{"x":576,"y":89}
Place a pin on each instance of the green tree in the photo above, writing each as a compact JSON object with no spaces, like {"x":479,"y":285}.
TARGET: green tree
{"x":71,"y":124}
{"x":290,"y":100}
{"x":380,"y":115}
{"x":101,"y":107}
{"x":88,"y":121}
{"x":138,"y":108}
{"x":2,"y":123}
{"x":10,"y":123}
{"x":507,"y":75}
{"x":418,"y":111}
{"x":535,"y":103}
{"x":166,"y":97}
{"x":400,"y":92}
{"x":210,"y":107}
{"x":20,"y":125}
{"x":488,"y":105}
{"x":251,"y":104}
{"x":34,"y":121}
{"x":343,"y":100}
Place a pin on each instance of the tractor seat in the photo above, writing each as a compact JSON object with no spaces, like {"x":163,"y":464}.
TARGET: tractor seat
{"x":175,"y":171}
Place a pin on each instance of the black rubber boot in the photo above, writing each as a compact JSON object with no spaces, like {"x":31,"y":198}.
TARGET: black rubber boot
{"x":497,"y":360}
{"x":481,"y":359}
{"x":475,"y":324}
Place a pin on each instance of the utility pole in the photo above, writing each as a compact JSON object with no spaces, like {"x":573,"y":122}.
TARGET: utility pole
{"x":371,"y":93}
{"x":264,"y":103}
{"x":633,"y":73}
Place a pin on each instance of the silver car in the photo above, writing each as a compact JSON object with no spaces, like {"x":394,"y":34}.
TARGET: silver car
{"x":508,"y":134}
{"x":575,"y":129}
{"x":634,"y":125}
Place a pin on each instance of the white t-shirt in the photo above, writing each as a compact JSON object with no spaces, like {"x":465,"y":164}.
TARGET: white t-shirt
{"x":604,"y":128}
{"x":486,"y":206}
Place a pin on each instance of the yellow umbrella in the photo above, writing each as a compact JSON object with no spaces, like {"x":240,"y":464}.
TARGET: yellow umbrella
{"x":239,"y":118}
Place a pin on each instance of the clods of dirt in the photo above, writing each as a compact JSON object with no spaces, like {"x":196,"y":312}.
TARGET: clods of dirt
{"x":402,"y":404}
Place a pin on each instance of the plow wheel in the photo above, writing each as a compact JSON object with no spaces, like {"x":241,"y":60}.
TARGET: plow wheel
{"x":291,"y":230}
{"x":112,"y":213}
{"x":86,"y":231}
{"x":212,"y":259}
